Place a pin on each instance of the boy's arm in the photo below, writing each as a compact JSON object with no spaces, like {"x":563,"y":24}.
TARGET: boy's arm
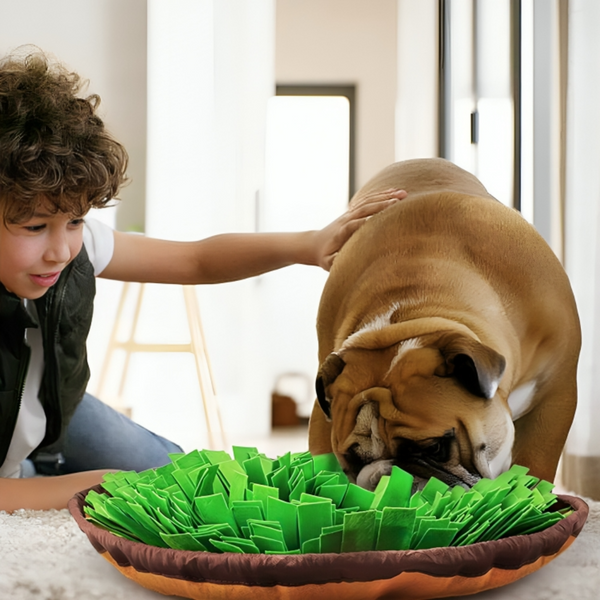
{"x":234,"y":256}
{"x":44,"y":493}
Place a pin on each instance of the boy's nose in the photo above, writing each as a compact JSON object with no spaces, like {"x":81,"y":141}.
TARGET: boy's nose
{"x":58,"y":250}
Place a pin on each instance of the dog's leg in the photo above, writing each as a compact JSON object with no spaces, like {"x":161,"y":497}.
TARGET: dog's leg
{"x":540,"y":435}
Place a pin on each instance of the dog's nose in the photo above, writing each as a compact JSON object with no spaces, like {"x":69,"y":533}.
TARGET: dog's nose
{"x":370,"y":474}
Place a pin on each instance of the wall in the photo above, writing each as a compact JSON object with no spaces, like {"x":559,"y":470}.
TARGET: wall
{"x":582,"y":228}
{"x":342,"y":42}
{"x":105,"y":41}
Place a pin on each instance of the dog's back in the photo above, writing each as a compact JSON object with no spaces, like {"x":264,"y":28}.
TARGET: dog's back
{"x":449,"y":248}
{"x":425,"y":176}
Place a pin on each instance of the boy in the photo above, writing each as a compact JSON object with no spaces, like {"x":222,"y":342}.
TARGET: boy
{"x":56,"y":162}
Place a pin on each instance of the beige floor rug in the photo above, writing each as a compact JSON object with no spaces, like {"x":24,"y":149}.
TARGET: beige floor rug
{"x":44,"y":556}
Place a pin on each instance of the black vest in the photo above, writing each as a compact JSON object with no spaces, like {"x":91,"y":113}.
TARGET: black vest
{"x":65,"y":315}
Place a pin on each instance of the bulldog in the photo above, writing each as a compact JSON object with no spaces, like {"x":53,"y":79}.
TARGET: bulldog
{"x":448,"y":338}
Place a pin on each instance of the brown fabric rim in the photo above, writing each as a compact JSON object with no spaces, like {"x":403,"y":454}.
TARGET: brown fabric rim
{"x":293,"y":570}
{"x":411,"y":585}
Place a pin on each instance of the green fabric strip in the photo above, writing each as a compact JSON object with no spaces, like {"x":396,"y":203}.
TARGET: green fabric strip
{"x":205,"y":501}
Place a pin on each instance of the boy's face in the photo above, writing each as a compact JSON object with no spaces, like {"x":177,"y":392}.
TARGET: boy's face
{"x":33,"y":253}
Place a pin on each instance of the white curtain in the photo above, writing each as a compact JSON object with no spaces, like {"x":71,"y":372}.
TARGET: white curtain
{"x":581,"y":466}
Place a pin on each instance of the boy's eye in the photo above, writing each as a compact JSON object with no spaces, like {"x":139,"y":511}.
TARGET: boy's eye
{"x":76,"y":222}
{"x":34,"y":228}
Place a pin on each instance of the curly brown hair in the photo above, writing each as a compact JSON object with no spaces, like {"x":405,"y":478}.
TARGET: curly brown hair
{"x":53,"y":145}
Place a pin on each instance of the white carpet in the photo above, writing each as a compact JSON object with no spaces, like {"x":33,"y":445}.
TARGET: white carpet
{"x":44,"y":556}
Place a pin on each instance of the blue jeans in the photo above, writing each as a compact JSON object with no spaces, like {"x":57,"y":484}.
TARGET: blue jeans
{"x":99,"y":437}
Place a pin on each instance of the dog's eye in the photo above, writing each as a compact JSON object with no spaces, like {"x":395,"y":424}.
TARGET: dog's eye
{"x":437,"y":449}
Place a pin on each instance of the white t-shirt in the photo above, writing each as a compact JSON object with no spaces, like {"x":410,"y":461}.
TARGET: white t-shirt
{"x":30,"y":428}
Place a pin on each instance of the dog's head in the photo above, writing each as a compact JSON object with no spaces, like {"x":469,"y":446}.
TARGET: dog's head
{"x":428,"y":404}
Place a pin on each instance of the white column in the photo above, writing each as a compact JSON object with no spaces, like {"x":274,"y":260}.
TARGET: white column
{"x":210,"y":74}
{"x":180,"y":117}
{"x":416,"y":104}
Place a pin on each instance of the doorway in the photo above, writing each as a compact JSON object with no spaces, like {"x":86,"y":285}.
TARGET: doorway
{"x":309,"y":179}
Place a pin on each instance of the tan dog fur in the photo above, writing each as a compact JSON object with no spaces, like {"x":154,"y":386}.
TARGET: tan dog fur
{"x":446,"y":280}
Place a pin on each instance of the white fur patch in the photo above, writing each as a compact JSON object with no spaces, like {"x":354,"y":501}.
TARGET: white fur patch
{"x":520,"y":399}
{"x":501,"y":462}
{"x":376,"y":324}
{"x":405,"y":346}
{"x":493,"y":388}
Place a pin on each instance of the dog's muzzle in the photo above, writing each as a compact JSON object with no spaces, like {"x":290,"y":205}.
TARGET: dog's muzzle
{"x":369,"y":459}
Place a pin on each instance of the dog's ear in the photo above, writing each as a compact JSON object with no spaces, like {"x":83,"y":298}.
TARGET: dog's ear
{"x":332,"y":366}
{"x":477,"y":367}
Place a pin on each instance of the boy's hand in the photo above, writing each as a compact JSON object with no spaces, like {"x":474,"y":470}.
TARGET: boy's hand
{"x":330,"y":239}
{"x":45,"y":493}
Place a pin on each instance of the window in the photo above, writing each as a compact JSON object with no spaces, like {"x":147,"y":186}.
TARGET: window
{"x":309,"y":178}
{"x":480,"y":92}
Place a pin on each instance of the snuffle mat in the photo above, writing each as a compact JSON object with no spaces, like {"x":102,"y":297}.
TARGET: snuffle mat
{"x":209,"y":525}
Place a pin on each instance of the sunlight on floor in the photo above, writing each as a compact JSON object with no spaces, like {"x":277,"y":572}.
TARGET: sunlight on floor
{"x":280,"y":441}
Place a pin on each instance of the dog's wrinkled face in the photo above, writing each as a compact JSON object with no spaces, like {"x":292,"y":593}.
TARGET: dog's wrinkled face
{"x":428,"y":405}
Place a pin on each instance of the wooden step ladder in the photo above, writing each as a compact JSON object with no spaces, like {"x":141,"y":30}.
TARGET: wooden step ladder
{"x":196,"y":346}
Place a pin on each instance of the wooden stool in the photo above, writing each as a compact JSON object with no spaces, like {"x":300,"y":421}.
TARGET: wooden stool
{"x":196,"y":346}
